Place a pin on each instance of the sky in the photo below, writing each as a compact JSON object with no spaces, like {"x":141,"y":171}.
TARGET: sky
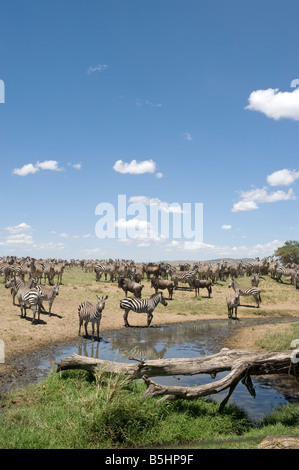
{"x":148,"y":129}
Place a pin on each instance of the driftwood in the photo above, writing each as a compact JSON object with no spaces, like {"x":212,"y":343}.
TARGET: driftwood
{"x":241,"y":364}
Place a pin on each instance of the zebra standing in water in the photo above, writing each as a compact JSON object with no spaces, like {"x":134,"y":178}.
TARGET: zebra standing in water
{"x":26,"y":295}
{"x":254,"y":291}
{"x":91,"y":313}
{"x":142,"y":306}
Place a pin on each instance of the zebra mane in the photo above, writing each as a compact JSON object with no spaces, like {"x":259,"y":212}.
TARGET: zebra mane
{"x":155,"y":295}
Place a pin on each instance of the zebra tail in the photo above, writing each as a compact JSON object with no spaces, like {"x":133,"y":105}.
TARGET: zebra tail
{"x":260,"y":299}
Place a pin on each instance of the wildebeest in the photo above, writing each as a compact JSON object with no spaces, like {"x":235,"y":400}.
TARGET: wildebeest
{"x":201,"y":284}
{"x":127,"y":285}
{"x":163,"y":284}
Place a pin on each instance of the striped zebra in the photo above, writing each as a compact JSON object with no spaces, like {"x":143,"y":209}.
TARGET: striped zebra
{"x":48,"y":294}
{"x":287,"y":272}
{"x":26,"y":296}
{"x":91,"y":313}
{"x":142,"y":306}
{"x":188,"y":276}
{"x":254,"y":291}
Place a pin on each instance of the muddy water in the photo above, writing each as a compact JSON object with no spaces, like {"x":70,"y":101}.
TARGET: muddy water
{"x":170,"y":341}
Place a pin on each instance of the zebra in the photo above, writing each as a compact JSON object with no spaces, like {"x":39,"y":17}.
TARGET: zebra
{"x":254,"y":291}
{"x":142,"y":306}
{"x":49,"y":294}
{"x":287,"y":272}
{"x":88,"y":312}
{"x":26,"y":295}
{"x":232,"y":302}
{"x":188,"y":277}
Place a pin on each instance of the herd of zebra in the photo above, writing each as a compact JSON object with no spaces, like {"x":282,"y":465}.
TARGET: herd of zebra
{"x":129,"y":276}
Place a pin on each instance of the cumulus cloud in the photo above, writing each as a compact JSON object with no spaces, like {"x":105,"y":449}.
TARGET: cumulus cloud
{"x":19,"y":234}
{"x":275,"y":104}
{"x":51,"y":165}
{"x":23,"y":227}
{"x":282,"y":177}
{"x":226,"y":227}
{"x":134,"y":167}
{"x":19,"y":239}
{"x":208,"y":251}
{"x":174,"y":208}
{"x":250,"y":199}
{"x":25,"y":170}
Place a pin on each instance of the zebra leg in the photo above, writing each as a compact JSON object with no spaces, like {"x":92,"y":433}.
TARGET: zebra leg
{"x":98,"y":331}
{"x":149,"y":318}
{"x":126,"y":318}
{"x":33,"y":314}
{"x":80,"y":325}
{"x":92,"y":326}
{"x":85,"y":326}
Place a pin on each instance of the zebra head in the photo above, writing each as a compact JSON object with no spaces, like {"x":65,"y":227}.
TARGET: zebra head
{"x":232,"y":283}
{"x":10,"y":283}
{"x":56,"y":289}
{"x":101,"y":303}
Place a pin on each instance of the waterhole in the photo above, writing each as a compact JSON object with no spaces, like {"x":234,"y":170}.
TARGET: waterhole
{"x":174,"y":341}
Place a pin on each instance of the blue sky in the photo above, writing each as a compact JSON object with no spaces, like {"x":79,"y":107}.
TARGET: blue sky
{"x":173,"y":101}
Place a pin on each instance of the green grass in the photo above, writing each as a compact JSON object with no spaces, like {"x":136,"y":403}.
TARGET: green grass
{"x":75,"y":410}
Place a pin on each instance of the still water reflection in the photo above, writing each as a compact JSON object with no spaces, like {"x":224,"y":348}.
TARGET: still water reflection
{"x":182,"y":340}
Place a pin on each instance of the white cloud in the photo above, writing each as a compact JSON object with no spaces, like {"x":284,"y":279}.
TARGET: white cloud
{"x":30,"y":168}
{"x":226,"y":227}
{"x":97,"y":68}
{"x":20,"y":238}
{"x":187,"y":136}
{"x":173,"y":208}
{"x":134,"y":167}
{"x":275,"y":104}
{"x":207,"y":251}
{"x":25,"y":170}
{"x":132,"y":223}
{"x":282,"y":177}
{"x":250,"y":199}
{"x":48,"y":165}
{"x":148,"y":103}
{"x":64,"y":235}
{"x":23,"y":227}
{"x":77,"y":166}
{"x":159,"y":175}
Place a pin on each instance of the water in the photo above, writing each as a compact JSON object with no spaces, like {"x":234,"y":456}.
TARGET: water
{"x":182,"y":340}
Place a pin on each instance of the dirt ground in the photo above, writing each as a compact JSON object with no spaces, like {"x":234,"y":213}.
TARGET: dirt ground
{"x":22,"y":339}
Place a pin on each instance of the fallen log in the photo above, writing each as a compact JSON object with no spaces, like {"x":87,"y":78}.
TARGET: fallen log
{"x":224,"y":360}
{"x":242,"y":365}
{"x":243,"y":368}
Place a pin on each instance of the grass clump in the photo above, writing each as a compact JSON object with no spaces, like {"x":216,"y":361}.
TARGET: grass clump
{"x":75,"y":410}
